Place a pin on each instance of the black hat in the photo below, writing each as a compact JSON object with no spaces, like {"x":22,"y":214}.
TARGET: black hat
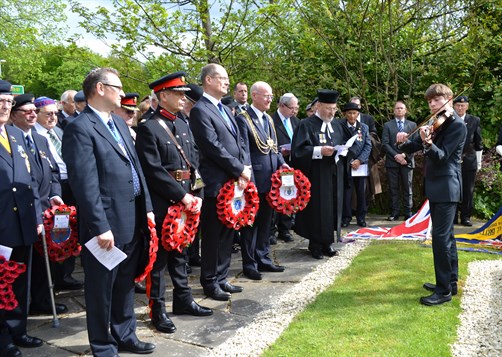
{"x":79,"y":97}
{"x":23,"y":99}
{"x":129,"y":101}
{"x":195,"y":92}
{"x":5,"y":87}
{"x":461,"y":99}
{"x":350,"y":106}
{"x":229,"y":101}
{"x":327,"y":96}
{"x":175,"y":81}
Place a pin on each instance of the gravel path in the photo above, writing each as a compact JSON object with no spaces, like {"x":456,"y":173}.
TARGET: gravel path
{"x":478,"y":332}
{"x":251,"y":341}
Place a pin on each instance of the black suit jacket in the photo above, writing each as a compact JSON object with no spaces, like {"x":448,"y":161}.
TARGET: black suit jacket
{"x":370,"y":122}
{"x":101,"y":176}
{"x":389,"y":133}
{"x":20,"y":209}
{"x":282,"y":134}
{"x":473,"y":143}
{"x":222,"y":151}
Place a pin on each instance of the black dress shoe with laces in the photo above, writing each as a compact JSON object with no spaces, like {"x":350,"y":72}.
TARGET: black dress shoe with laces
{"x":27,"y":341}
{"x":466,"y":222}
{"x":286,"y":237}
{"x":330,"y":251}
{"x":138,"y":347}
{"x":435,"y":299}
{"x":232,"y":289}
{"x":317,"y":254}
{"x":193,"y":309}
{"x":11,"y":350}
{"x":47,"y":310}
{"x":273,"y":239}
{"x":361,"y":223}
{"x":218,"y":294}
{"x":252,"y":274}
{"x":271,"y":268}
{"x":392,"y":218}
{"x":162,"y":323}
{"x":432,"y":287}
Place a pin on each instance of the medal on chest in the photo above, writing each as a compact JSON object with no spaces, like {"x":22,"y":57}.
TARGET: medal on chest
{"x":322,"y":138}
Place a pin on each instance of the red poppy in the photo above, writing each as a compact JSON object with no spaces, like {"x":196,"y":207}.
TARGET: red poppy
{"x":236,"y":211}
{"x":289,"y":199}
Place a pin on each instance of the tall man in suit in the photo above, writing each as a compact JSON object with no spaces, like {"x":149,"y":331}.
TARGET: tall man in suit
{"x":259,"y":134}
{"x":471,"y":157}
{"x":399,"y":165}
{"x":21,"y":221}
{"x":442,"y":149}
{"x":285,"y":123}
{"x":114,"y":205}
{"x":223,"y":157}
{"x":168,"y":178}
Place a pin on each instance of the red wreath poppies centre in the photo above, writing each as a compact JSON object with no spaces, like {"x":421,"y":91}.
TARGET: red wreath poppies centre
{"x":290,"y":198}
{"x":237,"y":210}
{"x":179,"y":227}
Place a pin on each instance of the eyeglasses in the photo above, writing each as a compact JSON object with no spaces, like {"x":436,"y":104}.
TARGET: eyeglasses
{"x":113,"y":85}
{"x":26,"y":111}
{"x":49,"y":113}
{"x":269,"y":96}
{"x":221,"y":78}
{"x":292,"y":108}
{"x":12,"y":102}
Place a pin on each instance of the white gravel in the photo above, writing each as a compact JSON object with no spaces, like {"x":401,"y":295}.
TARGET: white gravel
{"x":478,"y":332}
{"x":251,"y":341}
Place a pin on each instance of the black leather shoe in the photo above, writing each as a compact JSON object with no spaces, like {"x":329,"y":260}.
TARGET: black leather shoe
{"x":432,"y":287}
{"x":232,"y":289}
{"x":272,"y":268}
{"x":345,"y":223}
{"x":139,"y":288}
{"x":252,"y":274}
{"x":138,"y":347}
{"x":47,"y":310}
{"x":466,"y":222}
{"x":273,"y":239}
{"x":361,"y":223}
{"x":162,"y":323}
{"x":330,"y":252}
{"x":286,"y":237}
{"x":317,"y":254}
{"x":11,"y":350}
{"x":193,"y":309}
{"x":218,"y":294}
{"x":194,"y":262}
{"x":435,"y":299}
{"x":27,"y":341}
{"x":69,"y":283}
{"x":392,"y":218}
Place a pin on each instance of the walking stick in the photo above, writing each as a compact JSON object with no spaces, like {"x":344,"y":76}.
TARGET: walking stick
{"x":55,"y":320}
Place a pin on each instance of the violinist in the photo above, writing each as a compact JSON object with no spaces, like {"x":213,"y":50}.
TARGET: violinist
{"x":441,"y":140}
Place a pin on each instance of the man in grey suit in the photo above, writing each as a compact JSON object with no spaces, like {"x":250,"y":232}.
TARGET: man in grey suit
{"x":399,"y":165}
{"x":114,"y":205}
{"x":222,"y":157}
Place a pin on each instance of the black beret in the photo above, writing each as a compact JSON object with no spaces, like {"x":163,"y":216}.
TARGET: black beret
{"x":23,"y":99}
{"x":461,"y":99}
{"x":175,"y":81}
{"x":79,"y":97}
{"x":327,"y":96}
{"x":5,"y":87}
{"x":195,"y":92}
{"x":350,"y":106}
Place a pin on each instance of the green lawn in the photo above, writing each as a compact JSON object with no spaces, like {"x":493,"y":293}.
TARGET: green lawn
{"x":373,"y":309}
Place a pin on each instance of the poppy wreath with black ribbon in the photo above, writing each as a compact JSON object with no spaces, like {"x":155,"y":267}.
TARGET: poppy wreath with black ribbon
{"x":288,"y":200}
{"x":179,"y":227}
{"x":152,"y":252}
{"x":60,"y":251}
{"x":9,"y":271}
{"x":237,"y":212}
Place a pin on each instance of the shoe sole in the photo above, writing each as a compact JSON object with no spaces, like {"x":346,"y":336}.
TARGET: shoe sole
{"x":453,"y":293}
{"x":430,"y":304}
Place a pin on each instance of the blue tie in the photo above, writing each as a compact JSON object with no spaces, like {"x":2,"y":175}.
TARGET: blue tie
{"x":225,"y":116}
{"x":29,"y":144}
{"x":118,"y":138}
{"x":288,"y":130}
{"x":400,"y":125}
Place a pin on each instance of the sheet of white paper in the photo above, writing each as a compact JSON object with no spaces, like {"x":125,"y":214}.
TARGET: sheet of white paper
{"x":342,"y":150}
{"x":109,"y":258}
{"x":5,"y":252}
{"x":61,"y":221}
{"x":361,"y":171}
{"x":288,"y":180}
{"x":238,"y":192}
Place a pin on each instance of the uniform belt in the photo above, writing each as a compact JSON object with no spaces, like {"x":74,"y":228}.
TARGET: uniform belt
{"x":180,"y":175}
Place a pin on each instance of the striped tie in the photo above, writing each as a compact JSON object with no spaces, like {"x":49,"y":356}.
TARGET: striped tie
{"x":55,"y":141}
{"x":4,"y":141}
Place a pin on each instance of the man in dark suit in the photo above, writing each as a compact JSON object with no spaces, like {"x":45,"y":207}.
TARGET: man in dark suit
{"x":113,"y":204}
{"x":241,"y":96}
{"x":68,"y":107}
{"x":399,"y":165}
{"x":223,"y":157}
{"x":471,"y":157}
{"x":21,"y":222}
{"x":358,"y":154}
{"x":285,"y":123}
{"x":259,"y":134}
{"x":168,"y":177}
{"x":442,"y":149}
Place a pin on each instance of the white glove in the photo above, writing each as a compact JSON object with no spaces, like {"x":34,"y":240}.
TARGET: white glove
{"x":498,"y":149}
{"x":479,"y":158}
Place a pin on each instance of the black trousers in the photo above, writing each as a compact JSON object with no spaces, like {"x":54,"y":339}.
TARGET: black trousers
{"x":400,"y":188}
{"x":359,"y":184}
{"x":468,"y":181}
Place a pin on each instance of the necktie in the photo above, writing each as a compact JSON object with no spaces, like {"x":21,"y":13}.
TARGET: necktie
{"x":400,"y":125}
{"x":288,"y":129}
{"x":352,"y":129}
{"x":225,"y":116}
{"x":29,"y":144}
{"x":264,"y":122}
{"x":4,"y":141}
{"x":118,"y":138}
{"x":55,"y":141}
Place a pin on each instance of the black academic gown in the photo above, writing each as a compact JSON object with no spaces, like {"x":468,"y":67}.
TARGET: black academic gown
{"x":317,"y":221}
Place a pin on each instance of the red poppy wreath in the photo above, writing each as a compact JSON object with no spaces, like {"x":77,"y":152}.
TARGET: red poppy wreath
{"x":9,"y":271}
{"x":180,"y":226}
{"x":237,"y":208}
{"x":152,"y":252}
{"x":290,"y":191}
{"x":60,"y":250}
